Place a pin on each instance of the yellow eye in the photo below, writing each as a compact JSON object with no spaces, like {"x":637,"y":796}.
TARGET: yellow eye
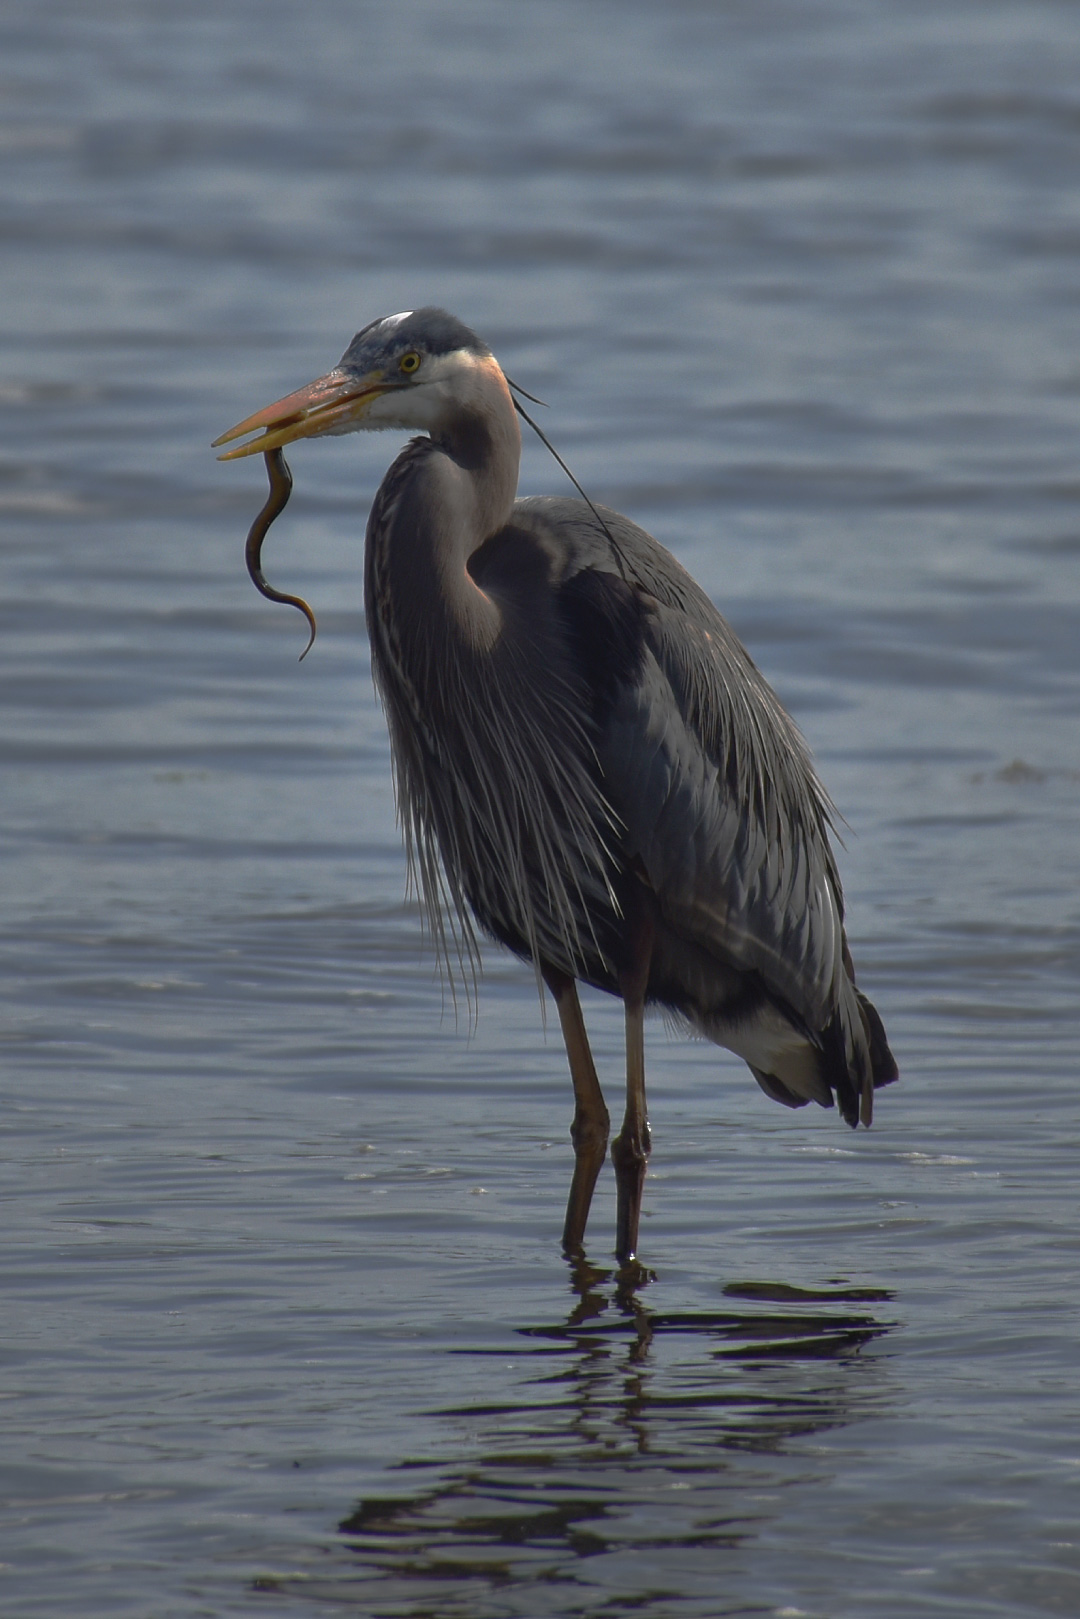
{"x":409,"y":363}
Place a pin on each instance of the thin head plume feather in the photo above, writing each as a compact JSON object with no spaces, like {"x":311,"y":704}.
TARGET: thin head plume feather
{"x":546,"y":442}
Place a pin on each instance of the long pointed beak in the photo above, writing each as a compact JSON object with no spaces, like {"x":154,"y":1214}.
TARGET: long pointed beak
{"x":329,"y":404}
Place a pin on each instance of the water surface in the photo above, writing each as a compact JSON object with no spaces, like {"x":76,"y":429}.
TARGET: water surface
{"x":285,"y":1323}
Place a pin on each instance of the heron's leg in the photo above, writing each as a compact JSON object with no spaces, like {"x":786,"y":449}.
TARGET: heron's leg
{"x":630,"y":1149}
{"x":589,"y":1131}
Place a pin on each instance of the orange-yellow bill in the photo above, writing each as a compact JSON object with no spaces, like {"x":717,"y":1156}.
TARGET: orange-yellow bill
{"x":328,"y":402}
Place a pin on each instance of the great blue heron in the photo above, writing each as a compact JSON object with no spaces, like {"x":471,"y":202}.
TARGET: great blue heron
{"x":587,"y":761}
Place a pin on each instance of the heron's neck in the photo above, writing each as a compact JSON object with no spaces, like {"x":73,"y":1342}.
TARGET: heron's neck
{"x":440,"y":501}
{"x":471,"y":483}
{"x":481,"y":440}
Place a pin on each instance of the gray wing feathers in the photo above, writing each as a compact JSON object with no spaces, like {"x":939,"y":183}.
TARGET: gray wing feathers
{"x":756,"y":889}
{"x":713,"y":781}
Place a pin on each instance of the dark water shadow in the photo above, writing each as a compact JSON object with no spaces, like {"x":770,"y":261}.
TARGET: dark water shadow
{"x":622,"y":1433}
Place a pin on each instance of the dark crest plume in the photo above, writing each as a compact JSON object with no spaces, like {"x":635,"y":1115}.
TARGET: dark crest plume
{"x":546,"y":442}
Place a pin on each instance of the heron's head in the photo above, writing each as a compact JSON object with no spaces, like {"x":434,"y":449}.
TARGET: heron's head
{"x":421,"y":369}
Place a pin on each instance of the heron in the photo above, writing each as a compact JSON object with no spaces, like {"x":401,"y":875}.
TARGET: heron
{"x":589,"y":768}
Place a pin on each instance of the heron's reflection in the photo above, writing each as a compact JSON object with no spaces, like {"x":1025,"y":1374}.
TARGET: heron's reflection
{"x":632,"y":1429}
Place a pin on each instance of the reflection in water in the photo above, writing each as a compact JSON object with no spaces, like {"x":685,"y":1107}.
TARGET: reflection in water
{"x":636,"y":1442}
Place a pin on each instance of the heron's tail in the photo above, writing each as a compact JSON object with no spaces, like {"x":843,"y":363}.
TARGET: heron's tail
{"x":882,"y":1062}
{"x":856,"y":1058}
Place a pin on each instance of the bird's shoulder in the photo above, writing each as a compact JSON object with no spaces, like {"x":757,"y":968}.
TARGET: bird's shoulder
{"x":627,"y":602}
{"x":578,"y":538}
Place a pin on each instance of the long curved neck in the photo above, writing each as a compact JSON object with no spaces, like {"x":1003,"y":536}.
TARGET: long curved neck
{"x":479,"y":433}
{"x":441,"y":499}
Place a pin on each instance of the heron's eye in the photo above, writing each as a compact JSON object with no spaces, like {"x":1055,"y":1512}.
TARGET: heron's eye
{"x":409,"y":363}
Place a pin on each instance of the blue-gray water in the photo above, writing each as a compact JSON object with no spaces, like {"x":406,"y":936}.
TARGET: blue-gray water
{"x":283,"y":1320}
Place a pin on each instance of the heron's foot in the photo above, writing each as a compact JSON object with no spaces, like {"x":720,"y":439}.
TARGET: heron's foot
{"x":589,"y":1133}
{"x":630,"y":1155}
{"x":631,"y":1276}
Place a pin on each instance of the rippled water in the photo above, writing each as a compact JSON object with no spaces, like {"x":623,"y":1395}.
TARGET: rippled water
{"x":284,"y":1322}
